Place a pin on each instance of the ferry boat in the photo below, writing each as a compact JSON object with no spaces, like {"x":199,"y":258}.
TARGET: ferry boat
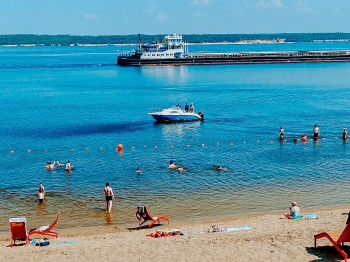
{"x":176,"y":114}
{"x":174,"y":51}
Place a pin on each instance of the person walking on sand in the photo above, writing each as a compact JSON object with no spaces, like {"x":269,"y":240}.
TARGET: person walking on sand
{"x":41,"y":193}
{"x":109,"y":196}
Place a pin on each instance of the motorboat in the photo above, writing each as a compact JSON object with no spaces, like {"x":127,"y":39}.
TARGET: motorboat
{"x":176,"y":114}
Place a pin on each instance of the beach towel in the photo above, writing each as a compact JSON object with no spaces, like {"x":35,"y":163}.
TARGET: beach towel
{"x":307,"y":216}
{"x":214,"y":229}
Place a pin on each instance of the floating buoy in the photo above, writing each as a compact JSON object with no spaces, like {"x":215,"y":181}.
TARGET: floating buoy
{"x":29,"y":150}
{"x":12,"y":151}
{"x":86,"y":148}
{"x":120,"y":148}
{"x":202,"y":145}
{"x":101,"y":148}
{"x":155,"y":146}
{"x":72,"y":149}
{"x":144,"y":146}
{"x":132,"y":147}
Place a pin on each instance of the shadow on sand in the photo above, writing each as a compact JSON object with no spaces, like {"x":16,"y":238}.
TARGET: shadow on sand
{"x":143,"y":227}
{"x":327,"y":253}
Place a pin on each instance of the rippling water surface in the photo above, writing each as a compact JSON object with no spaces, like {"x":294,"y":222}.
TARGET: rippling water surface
{"x":74,"y":103}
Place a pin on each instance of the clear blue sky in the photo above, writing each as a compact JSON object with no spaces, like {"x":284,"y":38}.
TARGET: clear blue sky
{"x":117,"y":17}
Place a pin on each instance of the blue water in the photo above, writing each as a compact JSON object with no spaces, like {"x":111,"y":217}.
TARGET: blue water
{"x":75,"y":103}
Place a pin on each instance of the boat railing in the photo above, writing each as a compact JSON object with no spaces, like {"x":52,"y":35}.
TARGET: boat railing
{"x":126,"y":53}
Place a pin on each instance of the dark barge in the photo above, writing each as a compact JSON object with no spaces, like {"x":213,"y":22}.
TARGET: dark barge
{"x":173,"y":51}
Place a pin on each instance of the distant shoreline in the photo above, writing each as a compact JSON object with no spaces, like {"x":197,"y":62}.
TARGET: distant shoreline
{"x":243,"y":42}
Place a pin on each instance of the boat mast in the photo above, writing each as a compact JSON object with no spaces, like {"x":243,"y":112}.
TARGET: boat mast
{"x":140,"y":43}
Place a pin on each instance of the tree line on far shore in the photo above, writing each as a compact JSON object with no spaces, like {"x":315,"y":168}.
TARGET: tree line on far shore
{"x":65,"y":40}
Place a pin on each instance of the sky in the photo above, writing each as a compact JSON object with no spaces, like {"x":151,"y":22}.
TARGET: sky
{"x":124,"y":17}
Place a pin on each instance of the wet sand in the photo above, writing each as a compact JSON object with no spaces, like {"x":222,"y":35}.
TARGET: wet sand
{"x":272,"y":238}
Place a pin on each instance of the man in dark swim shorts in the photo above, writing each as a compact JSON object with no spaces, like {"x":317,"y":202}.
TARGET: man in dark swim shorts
{"x":109,"y":197}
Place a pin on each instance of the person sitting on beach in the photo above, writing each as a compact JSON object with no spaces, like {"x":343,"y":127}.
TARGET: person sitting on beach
{"x":191,"y":108}
{"x":172,"y":165}
{"x":68,"y":166}
{"x":41,"y":193}
{"x":294,"y":211}
{"x":316,"y":131}
{"x":345,"y":134}
{"x":138,"y":170}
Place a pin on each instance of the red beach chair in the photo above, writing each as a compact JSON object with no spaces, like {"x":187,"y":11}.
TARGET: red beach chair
{"x":342,"y":238}
{"x":18,"y":228}
{"x":46,"y":230}
{"x":142,"y":213}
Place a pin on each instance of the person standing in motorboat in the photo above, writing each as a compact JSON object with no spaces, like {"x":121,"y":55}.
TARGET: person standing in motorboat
{"x":191,"y":108}
{"x":186,"y":107}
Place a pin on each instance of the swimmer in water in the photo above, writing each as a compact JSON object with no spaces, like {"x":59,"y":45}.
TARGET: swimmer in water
{"x":138,"y":170}
{"x":316,"y":132}
{"x":68,"y":166}
{"x":219,"y":168}
{"x":281,"y":133}
{"x":58,"y":164}
{"x":345,"y":134}
{"x":50,"y":166}
{"x":41,"y":193}
{"x":172,"y":166}
{"x":181,"y":169}
{"x":303,"y":138}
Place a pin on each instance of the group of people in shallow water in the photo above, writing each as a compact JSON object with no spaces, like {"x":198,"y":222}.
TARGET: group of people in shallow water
{"x":180,"y":168}
{"x":187,"y":108}
{"x":51,"y":165}
{"x":316,"y":134}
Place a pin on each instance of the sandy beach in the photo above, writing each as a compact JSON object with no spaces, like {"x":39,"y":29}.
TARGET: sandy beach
{"x":272,"y":238}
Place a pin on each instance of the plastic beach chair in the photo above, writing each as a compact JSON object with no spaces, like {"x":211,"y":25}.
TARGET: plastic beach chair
{"x":341,"y":238}
{"x":46,"y":230}
{"x":142,"y":213}
{"x":18,"y":228}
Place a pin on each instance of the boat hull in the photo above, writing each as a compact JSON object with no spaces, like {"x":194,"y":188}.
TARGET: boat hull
{"x":176,"y":118}
{"x":261,"y":58}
